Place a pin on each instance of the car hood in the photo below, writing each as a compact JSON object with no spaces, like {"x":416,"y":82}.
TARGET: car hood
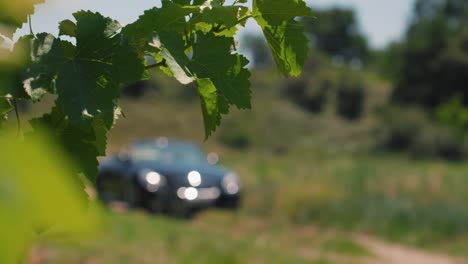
{"x":176,"y":174}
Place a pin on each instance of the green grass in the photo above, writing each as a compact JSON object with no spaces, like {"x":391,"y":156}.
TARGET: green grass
{"x":214,"y":237}
{"x":300,"y":171}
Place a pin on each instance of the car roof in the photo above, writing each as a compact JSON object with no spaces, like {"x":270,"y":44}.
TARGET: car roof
{"x":163,"y":142}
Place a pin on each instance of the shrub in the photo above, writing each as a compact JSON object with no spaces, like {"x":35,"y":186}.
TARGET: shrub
{"x":412,"y":131}
{"x":350,"y":97}
{"x":234,"y":135}
{"x":309,"y":96}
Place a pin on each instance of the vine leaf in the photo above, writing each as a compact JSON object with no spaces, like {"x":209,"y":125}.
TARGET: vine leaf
{"x":83,"y":143}
{"x":13,"y":14}
{"x":171,"y":46}
{"x":220,"y":74}
{"x":170,"y":17}
{"x":5,"y":108}
{"x":45,"y":58}
{"x":225,"y":69}
{"x":285,"y":36}
{"x":67,"y":28}
{"x":89,"y":79}
{"x":38,"y":194}
{"x":289,"y":46}
{"x":209,"y":104}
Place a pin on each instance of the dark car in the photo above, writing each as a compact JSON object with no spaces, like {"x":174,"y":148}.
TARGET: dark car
{"x":167,"y":176}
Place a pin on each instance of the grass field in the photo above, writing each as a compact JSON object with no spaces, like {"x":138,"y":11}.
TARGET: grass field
{"x":311,"y":182}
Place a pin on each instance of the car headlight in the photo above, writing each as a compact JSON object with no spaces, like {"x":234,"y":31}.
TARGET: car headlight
{"x":151,"y":180}
{"x":230,"y":183}
{"x":194,"y":178}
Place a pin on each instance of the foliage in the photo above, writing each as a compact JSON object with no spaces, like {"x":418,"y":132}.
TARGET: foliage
{"x":37,"y":189}
{"x":335,"y":31}
{"x":453,"y":113}
{"x":413,"y":131}
{"x":350,"y":96}
{"x":192,"y":41}
{"x":430,"y":65}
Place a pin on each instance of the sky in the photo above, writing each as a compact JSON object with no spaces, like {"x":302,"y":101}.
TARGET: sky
{"x":383,"y":21}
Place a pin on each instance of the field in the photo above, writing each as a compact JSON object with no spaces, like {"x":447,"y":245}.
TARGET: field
{"x":315,"y":192}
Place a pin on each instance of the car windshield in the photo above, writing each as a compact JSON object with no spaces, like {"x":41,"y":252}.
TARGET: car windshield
{"x":171,"y":153}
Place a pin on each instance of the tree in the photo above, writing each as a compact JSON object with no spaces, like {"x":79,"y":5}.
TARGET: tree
{"x":336,"y":32}
{"x":433,"y":60}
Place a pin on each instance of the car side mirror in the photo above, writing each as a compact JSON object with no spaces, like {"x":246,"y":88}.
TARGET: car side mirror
{"x":212,"y":158}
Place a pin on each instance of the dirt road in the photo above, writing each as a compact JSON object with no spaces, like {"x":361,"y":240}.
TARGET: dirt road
{"x":387,"y":253}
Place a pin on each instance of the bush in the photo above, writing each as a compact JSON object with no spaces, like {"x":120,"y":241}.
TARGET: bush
{"x":412,"y":131}
{"x":309,"y":96}
{"x":234,"y":135}
{"x":350,"y":97}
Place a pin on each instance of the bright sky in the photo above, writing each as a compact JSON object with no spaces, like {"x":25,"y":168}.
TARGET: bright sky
{"x":381,"y":20}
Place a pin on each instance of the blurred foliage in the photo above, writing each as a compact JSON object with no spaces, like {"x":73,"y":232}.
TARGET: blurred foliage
{"x":38,"y":193}
{"x":350,"y":95}
{"x":336,"y":32}
{"x":454,"y":113}
{"x":429,"y":67}
{"x":413,"y":131}
{"x":235,"y":134}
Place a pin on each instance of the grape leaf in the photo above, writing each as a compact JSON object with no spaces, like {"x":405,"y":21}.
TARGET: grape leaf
{"x":285,"y":36}
{"x":12,"y":64}
{"x":225,"y":69}
{"x":170,"y":17}
{"x":83,"y":143}
{"x":209,"y":105}
{"x":88,"y":81}
{"x":289,"y":46}
{"x":275,"y":12}
{"x":14,"y":13}
{"x":172,"y":46}
{"x":37,"y":190}
{"x":5,"y":108}
{"x":223,"y":15}
{"x":45,"y":59}
{"x":67,"y":28}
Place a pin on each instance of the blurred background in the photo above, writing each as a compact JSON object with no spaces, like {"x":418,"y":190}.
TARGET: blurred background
{"x":362,"y":159}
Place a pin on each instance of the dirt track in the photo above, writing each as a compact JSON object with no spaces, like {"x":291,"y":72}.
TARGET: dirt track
{"x":386,"y":253}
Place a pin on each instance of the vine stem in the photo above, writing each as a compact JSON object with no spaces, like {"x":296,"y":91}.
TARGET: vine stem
{"x":30,"y":27}
{"x":161,"y":63}
{"x":18,"y":121}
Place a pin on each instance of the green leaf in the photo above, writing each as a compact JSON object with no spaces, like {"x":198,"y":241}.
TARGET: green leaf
{"x":83,"y":143}
{"x":223,"y":15}
{"x":289,"y":46}
{"x":14,"y":13}
{"x":5,"y":108}
{"x":285,"y":36}
{"x":172,"y":49}
{"x":170,"y":17}
{"x":213,"y":59}
{"x":209,"y":105}
{"x":37,"y":190}
{"x":12,"y":64}
{"x":45,"y":59}
{"x":88,"y":81}
{"x":275,"y":12}
{"x":67,"y":28}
